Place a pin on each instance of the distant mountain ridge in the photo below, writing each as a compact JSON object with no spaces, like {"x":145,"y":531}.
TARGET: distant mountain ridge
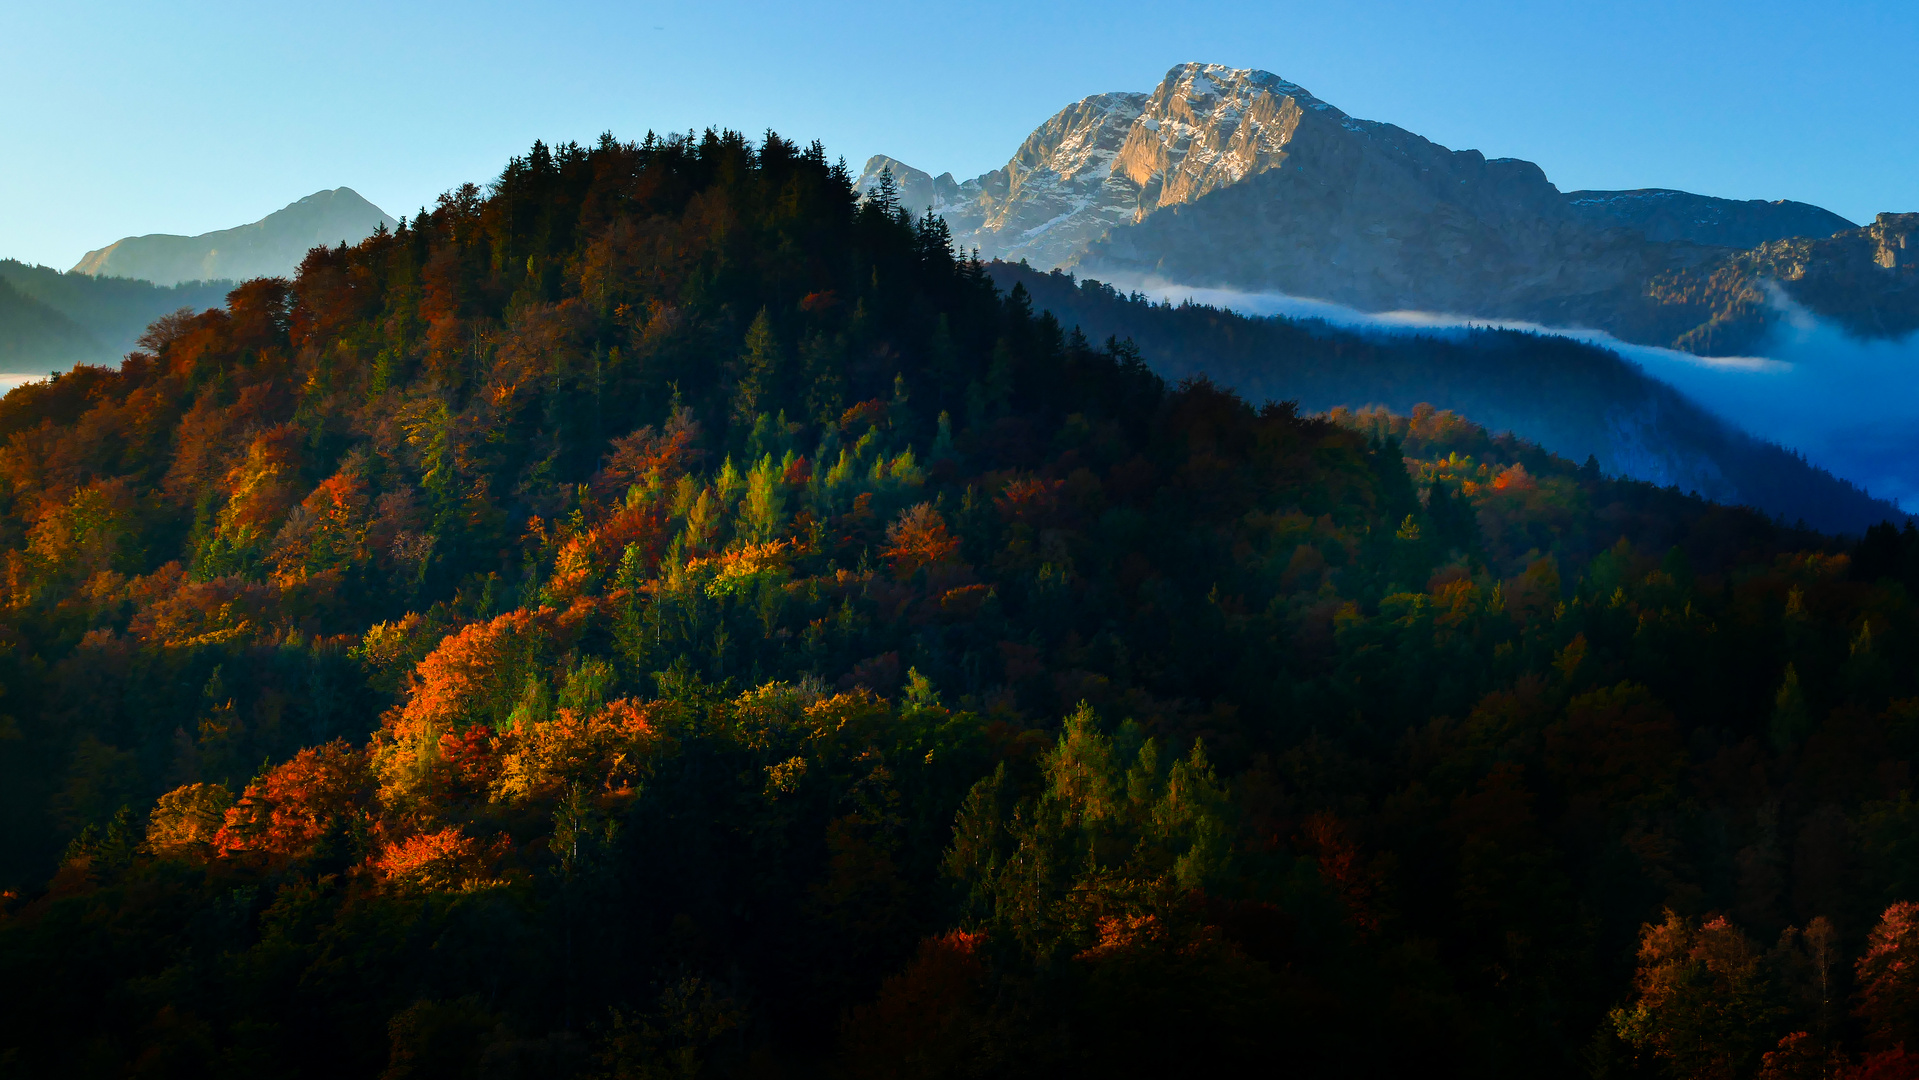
{"x":1865,"y":280}
{"x":1662,"y":214}
{"x":270,"y":247}
{"x":34,"y":338}
{"x":51,"y":321}
{"x":1239,"y":179}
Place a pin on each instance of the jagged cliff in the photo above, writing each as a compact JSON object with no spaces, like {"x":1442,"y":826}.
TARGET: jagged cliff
{"x":1238,"y":179}
{"x":1059,"y":193}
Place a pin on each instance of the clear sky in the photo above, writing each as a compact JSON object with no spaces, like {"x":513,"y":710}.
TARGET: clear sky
{"x":124,"y":118}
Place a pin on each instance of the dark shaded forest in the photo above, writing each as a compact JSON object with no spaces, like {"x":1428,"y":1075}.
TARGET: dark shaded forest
{"x":662,"y":615}
{"x":1576,"y":399}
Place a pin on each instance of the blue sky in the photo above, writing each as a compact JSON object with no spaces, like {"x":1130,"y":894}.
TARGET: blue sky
{"x":121,"y":119}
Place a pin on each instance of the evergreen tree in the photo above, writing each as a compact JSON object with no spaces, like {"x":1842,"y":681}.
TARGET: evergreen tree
{"x":760,"y":370}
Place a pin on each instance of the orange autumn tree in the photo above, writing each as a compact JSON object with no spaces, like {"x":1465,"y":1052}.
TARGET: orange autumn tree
{"x":261,"y":488}
{"x":478,"y":674}
{"x":649,"y":458}
{"x":290,"y":807}
{"x":600,"y":749}
{"x":917,"y":540}
{"x":328,"y":530}
{"x":436,"y":861}
{"x":1888,"y":996}
{"x":439,"y":743}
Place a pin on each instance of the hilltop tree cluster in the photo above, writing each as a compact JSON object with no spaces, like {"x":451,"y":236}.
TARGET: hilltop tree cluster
{"x":664,"y":615}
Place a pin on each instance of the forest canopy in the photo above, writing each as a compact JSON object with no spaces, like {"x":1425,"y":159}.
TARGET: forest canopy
{"x":664,"y":615}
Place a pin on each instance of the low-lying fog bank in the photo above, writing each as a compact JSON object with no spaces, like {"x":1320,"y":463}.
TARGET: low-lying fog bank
{"x":1846,"y":404}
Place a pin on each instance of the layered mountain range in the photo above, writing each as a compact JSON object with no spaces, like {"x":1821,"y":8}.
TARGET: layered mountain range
{"x":95,"y":312}
{"x":50,"y":321}
{"x":270,"y":247}
{"x":1233,"y":178}
{"x":31,"y":333}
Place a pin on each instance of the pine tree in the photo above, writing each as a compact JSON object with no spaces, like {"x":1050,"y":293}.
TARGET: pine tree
{"x":825,"y":360}
{"x":759,"y":371}
{"x":885,"y":195}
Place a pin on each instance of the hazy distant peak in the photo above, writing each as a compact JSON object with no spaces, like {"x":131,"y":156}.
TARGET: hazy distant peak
{"x":270,"y":247}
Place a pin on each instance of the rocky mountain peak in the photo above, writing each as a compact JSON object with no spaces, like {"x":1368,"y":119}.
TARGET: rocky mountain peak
{"x":1237,"y":178}
{"x":1114,"y":159}
{"x":1206,"y":126}
{"x":918,"y":191}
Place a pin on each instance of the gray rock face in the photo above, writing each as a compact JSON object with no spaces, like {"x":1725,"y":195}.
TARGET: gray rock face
{"x":918,"y":192}
{"x":1238,"y":179}
{"x":1060,"y":192}
{"x":270,"y":247}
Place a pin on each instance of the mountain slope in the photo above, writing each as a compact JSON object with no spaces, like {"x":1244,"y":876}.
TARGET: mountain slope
{"x":111,"y":312}
{"x":270,"y":247}
{"x":1238,"y":179}
{"x":1664,"y":214}
{"x":35,"y":339}
{"x":1572,"y":398}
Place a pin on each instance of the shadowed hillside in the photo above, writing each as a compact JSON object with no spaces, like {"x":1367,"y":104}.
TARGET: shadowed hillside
{"x":1577,"y":400}
{"x":105,"y":316}
{"x":34,"y":337}
{"x":664,"y":616}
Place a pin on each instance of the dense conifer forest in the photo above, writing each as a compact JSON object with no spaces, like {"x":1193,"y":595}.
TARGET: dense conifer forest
{"x":661,"y":615}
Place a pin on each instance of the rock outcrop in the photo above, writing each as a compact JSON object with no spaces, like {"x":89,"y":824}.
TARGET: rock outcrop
{"x":1059,"y":193}
{"x":270,"y":247}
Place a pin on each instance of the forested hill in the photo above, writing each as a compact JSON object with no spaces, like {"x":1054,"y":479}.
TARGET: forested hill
{"x":101,"y":318}
{"x":34,"y":336}
{"x":662,"y":616}
{"x":1576,"y":399}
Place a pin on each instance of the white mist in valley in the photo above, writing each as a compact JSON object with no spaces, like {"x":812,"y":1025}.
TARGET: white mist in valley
{"x":1848,"y":405}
